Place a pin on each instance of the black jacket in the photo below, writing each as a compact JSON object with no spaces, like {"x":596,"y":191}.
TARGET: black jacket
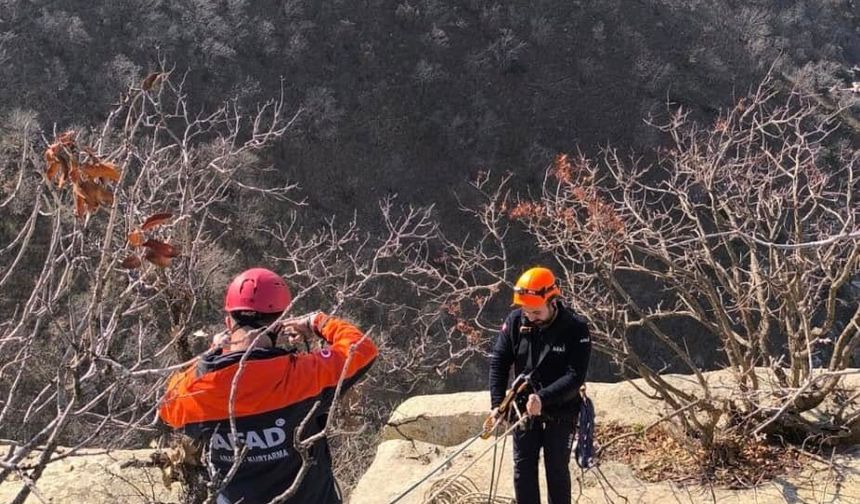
{"x":558,"y":377}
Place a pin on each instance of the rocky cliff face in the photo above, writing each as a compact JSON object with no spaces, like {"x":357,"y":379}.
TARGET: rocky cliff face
{"x":98,"y":477}
{"x":423,"y":431}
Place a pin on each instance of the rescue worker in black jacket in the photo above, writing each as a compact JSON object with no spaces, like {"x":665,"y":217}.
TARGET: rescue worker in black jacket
{"x":543,"y":339}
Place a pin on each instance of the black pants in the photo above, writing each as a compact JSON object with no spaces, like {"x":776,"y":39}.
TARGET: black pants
{"x":556,"y":439}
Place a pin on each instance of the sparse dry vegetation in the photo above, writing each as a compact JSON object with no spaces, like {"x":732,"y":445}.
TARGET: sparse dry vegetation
{"x":332,"y":142}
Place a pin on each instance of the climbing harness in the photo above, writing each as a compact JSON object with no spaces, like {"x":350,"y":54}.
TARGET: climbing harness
{"x":508,"y":404}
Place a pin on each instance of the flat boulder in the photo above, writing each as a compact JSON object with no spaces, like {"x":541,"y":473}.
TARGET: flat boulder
{"x":424,"y":431}
{"x":98,"y":477}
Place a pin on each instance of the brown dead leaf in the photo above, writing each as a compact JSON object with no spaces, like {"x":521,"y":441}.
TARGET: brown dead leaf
{"x":94,"y":194}
{"x":135,"y":238}
{"x":161,"y":248}
{"x":107,"y":171}
{"x":71,"y":169}
{"x":89,"y":196}
{"x":53,"y":169}
{"x":151,"y":81}
{"x":61,"y":179}
{"x":67,"y":138}
{"x":55,"y":165}
{"x":80,"y":206}
{"x":156,"y":258}
{"x":156,"y":220}
{"x":131,"y":262}
{"x":51,"y":154}
{"x":60,"y":160}
{"x":62,"y":174}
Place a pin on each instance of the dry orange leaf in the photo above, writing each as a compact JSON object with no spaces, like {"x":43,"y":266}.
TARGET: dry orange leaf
{"x":107,"y":171}
{"x":70,"y":169}
{"x":61,"y":166}
{"x":61,"y":178}
{"x":67,"y":138}
{"x":53,"y":168}
{"x":60,"y":160}
{"x":135,"y":238}
{"x":93,"y":193}
{"x":89,"y":195}
{"x":131,"y":262}
{"x":51,"y":154}
{"x":80,"y":206}
{"x":155,"y":220}
{"x":150,"y":81}
{"x":157,"y":259}
{"x":105,"y":197}
{"x":56,"y":165}
{"x":161,"y":248}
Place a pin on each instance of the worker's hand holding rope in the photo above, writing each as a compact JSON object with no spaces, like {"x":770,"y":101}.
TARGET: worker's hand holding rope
{"x":492,"y":421}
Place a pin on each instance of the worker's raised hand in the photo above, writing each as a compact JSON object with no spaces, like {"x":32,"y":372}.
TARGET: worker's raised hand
{"x":298,"y":329}
{"x":303,"y":327}
{"x":220,"y":340}
{"x":295,"y":339}
{"x":533,"y":406}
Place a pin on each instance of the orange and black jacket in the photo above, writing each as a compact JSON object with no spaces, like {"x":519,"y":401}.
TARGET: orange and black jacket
{"x":276,"y":390}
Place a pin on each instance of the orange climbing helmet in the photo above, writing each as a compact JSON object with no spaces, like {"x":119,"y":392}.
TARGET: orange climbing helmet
{"x":535,"y":287}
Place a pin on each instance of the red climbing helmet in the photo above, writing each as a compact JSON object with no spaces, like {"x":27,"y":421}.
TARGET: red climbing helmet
{"x":259,"y":290}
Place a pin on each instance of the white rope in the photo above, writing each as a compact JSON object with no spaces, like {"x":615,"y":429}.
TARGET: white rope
{"x":494,"y":479}
{"x":440,"y":466}
{"x":476,"y":459}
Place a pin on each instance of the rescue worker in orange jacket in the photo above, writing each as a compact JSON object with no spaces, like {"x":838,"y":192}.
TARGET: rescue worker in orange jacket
{"x":275,"y":390}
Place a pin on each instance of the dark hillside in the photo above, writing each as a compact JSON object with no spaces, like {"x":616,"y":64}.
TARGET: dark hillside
{"x":414,"y":97}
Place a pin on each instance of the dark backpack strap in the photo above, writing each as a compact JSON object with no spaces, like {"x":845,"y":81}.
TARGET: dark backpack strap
{"x":523,"y":345}
{"x":544,"y":351}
